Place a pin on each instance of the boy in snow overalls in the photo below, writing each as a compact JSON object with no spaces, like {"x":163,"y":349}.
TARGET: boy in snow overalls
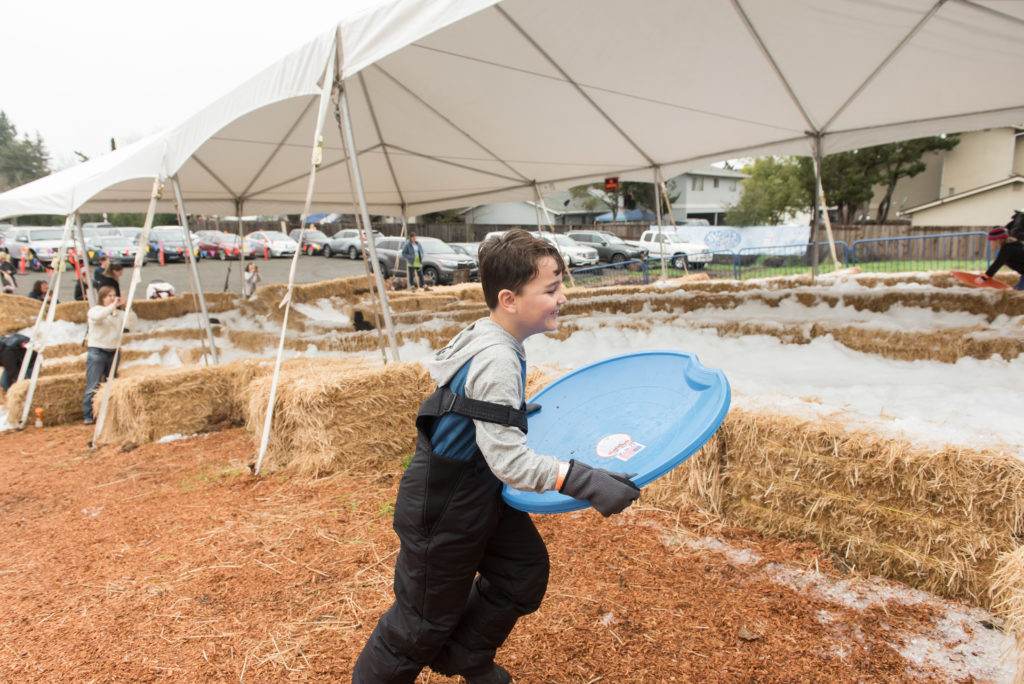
{"x":469,"y":565}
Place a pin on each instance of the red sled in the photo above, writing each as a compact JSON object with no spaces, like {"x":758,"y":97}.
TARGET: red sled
{"x":979,"y":280}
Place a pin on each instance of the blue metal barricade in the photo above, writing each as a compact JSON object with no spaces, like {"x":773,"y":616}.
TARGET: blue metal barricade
{"x":969,"y":251}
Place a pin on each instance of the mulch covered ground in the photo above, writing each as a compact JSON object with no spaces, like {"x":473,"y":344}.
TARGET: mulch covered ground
{"x":171,"y":562}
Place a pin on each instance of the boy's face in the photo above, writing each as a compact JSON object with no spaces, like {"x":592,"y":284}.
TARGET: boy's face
{"x":537,"y":305}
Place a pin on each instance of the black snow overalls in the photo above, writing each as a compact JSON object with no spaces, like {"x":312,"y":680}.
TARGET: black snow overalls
{"x":453,"y":524}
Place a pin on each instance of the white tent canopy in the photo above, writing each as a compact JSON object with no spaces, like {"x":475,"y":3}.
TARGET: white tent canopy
{"x":464,"y":102}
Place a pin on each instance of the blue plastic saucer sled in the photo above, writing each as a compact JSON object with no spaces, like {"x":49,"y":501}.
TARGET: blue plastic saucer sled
{"x":642,"y":413}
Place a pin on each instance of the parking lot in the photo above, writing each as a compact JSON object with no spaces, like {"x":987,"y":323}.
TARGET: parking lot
{"x":214,"y":275}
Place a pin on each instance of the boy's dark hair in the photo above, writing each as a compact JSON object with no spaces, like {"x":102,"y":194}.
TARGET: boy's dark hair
{"x":509,"y":261}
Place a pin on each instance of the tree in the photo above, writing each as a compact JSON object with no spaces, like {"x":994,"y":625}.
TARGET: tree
{"x":904,"y":160}
{"x":21,"y":160}
{"x":774,"y":192}
{"x":849,"y":177}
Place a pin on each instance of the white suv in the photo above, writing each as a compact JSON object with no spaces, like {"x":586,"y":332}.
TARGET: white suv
{"x":573,"y":253}
{"x":675,"y":248}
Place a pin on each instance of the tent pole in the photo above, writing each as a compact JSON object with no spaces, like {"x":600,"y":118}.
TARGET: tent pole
{"x":353,"y":160}
{"x":193,"y":269}
{"x":547,"y":219}
{"x":23,"y":371}
{"x":239,"y":207}
{"x":661,"y":244}
{"x":820,"y":192}
{"x":377,"y":315}
{"x":286,"y":303}
{"x":368,"y":236}
{"x":86,"y":276}
{"x":672,"y":220}
{"x":49,"y":301}
{"x":140,"y":256}
{"x":817,"y":205}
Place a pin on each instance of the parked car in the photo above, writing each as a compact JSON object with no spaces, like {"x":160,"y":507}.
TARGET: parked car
{"x":225,"y":246}
{"x":42,"y":244}
{"x":573,"y":253}
{"x":121,"y":250}
{"x":440,"y":261}
{"x":274,"y":242}
{"x":493,"y":234}
{"x":348,"y":242}
{"x":127,"y":231}
{"x":610,"y":247}
{"x":6,"y":232}
{"x":468,"y":248}
{"x":103,"y":227}
{"x":313,"y":240}
{"x":170,"y":240}
{"x":676,"y":248}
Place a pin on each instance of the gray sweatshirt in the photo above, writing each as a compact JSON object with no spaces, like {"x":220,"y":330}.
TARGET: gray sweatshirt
{"x":496,"y":376}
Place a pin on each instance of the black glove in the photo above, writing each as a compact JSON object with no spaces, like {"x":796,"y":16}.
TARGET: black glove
{"x":606,"y":491}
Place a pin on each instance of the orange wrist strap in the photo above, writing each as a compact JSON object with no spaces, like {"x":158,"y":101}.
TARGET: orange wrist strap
{"x":563,"y":469}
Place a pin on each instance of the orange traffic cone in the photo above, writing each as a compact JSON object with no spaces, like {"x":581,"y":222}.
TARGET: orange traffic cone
{"x":266,"y":254}
{"x":24,"y":258}
{"x":161,"y":254}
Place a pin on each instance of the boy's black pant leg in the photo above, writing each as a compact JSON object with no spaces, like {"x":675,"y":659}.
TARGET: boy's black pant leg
{"x":452,"y":522}
{"x":512,"y":582}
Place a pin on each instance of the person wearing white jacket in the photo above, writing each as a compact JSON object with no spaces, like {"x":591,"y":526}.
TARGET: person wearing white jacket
{"x":106,"y":321}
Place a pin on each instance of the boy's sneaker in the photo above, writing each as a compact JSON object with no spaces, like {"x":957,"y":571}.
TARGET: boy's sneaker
{"x":496,"y":675}
{"x":88,"y":421}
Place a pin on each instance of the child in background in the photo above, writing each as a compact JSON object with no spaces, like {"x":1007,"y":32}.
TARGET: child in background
{"x":251,"y":277}
{"x":1011,"y":253}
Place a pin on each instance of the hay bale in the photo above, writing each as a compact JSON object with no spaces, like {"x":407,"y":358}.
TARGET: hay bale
{"x":936,"y":519}
{"x":65,"y":349}
{"x":182,"y":305}
{"x":154,"y":403}
{"x":60,"y":397}
{"x":329,"y":418}
{"x":17,"y":312}
{"x":74,"y":312}
{"x":1007,"y":593}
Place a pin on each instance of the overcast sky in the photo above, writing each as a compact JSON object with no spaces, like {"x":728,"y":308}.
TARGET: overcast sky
{"x":80,"y":73}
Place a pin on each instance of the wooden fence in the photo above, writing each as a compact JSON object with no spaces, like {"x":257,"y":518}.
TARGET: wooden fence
{"x":475,"y":232}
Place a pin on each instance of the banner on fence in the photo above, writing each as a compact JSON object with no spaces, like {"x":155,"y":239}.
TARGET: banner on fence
{"x":752,"y":239}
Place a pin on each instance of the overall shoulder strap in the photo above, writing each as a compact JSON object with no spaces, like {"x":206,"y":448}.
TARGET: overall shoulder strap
{"x":443,"y":401}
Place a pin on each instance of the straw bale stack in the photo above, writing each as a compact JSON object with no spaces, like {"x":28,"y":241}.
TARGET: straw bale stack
{"x":60,"y":397}
{"x":65,"y":349}
{"x":947,"y":346}
{"x":402,"y":302}
{"x":17,"y":313}
{"x":59,"y":394}
{"x":182,"y":305}
{"x":74,"y":312}
{"x":935,"y":519}
{"x":334,"y":417}
{"x":156,"y":403}
{"x":267,"y":298}
{"x":346,"y":288}
{"x":1008,"y":599}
